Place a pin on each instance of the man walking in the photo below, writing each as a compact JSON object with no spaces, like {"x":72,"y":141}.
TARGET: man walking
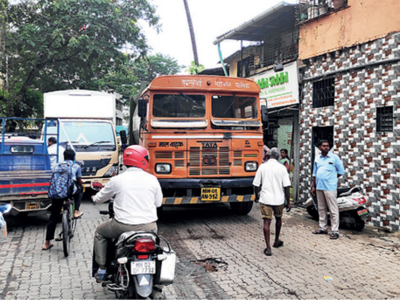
{"x":327,"y":168}
{"x":270,"y":178}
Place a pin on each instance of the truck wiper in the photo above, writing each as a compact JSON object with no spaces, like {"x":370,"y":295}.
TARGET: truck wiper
{"x":187,"y":97}
{"x":99,"y":142}
{"x":230,"y":105}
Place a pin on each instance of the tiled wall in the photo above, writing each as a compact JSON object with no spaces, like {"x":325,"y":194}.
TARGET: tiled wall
{"x":371,"y":159}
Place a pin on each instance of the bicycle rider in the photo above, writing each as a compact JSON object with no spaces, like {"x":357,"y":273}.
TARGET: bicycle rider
{"x":137,"y":196}
{"x":55,"y":209}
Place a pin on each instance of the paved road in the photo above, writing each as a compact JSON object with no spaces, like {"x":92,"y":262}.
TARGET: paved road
{"x":220,"y":256}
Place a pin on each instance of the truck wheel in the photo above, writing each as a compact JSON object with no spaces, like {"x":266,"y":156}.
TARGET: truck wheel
{"x":312,"y":212}
{"x":241,"y":208}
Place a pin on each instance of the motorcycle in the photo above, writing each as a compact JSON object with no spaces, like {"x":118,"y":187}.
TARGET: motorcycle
{"x":352,"y":210}
{"x":4,"y":209}
{"x":137,"y":265}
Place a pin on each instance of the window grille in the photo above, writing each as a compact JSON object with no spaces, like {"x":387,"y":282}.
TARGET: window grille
{"x":384,"y":119}
{"x":247,"y":62}
{"x":324,"y":92}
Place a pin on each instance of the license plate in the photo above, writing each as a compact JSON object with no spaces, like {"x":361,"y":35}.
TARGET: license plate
{"x":362,"y":212}
{"x":143,"y":267}
{"x":32,"y":205}
{"x":210,"y":194}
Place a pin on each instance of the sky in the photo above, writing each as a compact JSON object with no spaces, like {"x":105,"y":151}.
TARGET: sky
{"x":210,"y":18}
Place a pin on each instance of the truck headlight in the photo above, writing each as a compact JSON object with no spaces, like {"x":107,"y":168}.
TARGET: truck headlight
{"x":163,"y":168}
{"x":112,"y":171}
{"x":250,"y":166}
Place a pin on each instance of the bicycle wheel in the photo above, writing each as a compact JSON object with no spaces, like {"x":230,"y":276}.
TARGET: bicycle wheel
{"x":66,"y":231}
{"x":73,"y":221}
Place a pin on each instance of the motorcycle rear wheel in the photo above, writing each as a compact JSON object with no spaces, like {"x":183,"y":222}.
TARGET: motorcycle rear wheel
{"x":312,"y":212}
{"x":358,"y":223}
{"x":128,"y":294}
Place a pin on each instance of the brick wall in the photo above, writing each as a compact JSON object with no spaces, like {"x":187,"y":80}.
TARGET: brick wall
{"x":371,"y":159}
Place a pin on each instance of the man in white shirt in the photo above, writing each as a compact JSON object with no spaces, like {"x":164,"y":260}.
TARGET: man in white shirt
{"x":137,"y":196}
{"x":270,"y":178}
{"x":52,"y":150}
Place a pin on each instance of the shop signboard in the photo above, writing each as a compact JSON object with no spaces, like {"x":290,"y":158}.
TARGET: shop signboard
{"x":279,"y":88}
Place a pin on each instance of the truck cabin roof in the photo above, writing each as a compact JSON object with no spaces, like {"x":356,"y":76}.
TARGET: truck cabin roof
{"x":203,"y":83}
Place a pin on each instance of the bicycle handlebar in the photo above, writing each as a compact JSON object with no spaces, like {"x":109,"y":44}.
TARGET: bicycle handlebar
{"x":104,"y":212}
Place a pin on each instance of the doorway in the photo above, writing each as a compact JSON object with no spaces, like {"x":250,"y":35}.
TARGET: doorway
{"x":319,"y":134}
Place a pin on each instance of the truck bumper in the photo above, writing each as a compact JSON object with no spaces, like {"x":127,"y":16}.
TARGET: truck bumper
{"x":27,"y":206}
{"x":197,"y":200}
{"x":188,"y":191}
{"x":204,"y":182}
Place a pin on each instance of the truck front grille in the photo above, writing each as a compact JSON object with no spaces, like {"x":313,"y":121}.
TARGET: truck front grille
{"x":209,"y":162}
{"x":90,"y":167}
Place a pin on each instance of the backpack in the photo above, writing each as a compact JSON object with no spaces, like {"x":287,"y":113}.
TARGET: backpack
{"x":61,"y":183}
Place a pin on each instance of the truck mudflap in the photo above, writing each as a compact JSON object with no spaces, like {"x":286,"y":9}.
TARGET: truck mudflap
{"x":198,"y":200}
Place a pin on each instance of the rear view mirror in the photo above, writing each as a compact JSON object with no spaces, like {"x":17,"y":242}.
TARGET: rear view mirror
{"x":264,"y":116}
{"x":142,"y":108}
{"x":124,"y":139}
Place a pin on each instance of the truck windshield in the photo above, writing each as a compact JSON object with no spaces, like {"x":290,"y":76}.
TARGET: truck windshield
{"x":179,"y":106}
{"x":87,"y":136}
{"x":233,"y":107}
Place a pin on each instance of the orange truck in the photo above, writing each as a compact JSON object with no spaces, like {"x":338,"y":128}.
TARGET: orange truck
{"x":205,"y":138}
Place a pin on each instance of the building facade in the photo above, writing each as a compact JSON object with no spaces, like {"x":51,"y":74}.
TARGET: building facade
{"x":350,"y":95}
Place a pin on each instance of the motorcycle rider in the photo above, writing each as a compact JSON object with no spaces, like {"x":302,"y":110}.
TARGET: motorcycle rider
{"x":137,"y":196}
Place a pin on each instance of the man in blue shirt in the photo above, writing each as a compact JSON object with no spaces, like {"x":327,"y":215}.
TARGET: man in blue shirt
{"x":327,"y":168}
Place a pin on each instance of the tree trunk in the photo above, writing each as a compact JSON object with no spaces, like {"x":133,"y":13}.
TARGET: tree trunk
{"x":196,"y":59}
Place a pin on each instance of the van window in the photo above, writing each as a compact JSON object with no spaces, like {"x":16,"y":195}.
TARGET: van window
{"x":179,"y":106}
{"x":234,"y":107}
{"x":22,"y":149}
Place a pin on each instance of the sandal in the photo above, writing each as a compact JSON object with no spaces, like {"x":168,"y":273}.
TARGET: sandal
{"x":266,"y":252}
{"x":48,"y":248}
{"x":80,"y":216}
{"x":280,"y":244}
{"x":320,"y":231}
{"x":334,"y":236}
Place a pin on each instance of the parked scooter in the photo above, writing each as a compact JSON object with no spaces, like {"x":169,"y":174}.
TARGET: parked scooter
{"x":4,"y":209}
{"x":352,"y":210}
{"x":137,"y":265}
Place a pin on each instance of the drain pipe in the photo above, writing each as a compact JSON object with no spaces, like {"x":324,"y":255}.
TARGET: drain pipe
{"x":222,"y":60}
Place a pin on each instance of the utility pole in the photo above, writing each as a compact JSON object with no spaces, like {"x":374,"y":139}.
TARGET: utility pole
{"x":196,"y":59}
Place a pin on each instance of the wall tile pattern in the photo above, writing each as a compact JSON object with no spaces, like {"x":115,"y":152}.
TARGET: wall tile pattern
{"x":371,"y":159}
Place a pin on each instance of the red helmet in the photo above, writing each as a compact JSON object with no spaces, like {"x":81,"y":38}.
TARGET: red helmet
{"x":136,"y":156}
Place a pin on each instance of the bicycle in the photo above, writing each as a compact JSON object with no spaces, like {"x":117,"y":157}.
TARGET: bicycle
{"x":68,"y":225}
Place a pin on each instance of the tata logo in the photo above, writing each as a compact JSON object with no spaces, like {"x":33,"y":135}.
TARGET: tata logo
{"x":209,"y":145}
{"x":209,"y":160}
{"x":176,"y":144}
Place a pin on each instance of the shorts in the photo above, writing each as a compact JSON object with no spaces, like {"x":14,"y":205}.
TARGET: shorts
{"x":268,"y":210}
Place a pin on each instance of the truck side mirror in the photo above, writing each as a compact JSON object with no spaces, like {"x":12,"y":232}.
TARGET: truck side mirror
{"x":122,"y":134}
{"x":142,"y":108}
{"x":264,"y":116}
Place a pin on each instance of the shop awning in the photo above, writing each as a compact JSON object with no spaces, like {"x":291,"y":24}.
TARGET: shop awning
{"x":276,"y":18}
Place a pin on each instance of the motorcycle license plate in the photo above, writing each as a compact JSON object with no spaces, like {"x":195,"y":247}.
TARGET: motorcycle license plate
{"x":143,"y":267}
{"x":210,"y":194}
